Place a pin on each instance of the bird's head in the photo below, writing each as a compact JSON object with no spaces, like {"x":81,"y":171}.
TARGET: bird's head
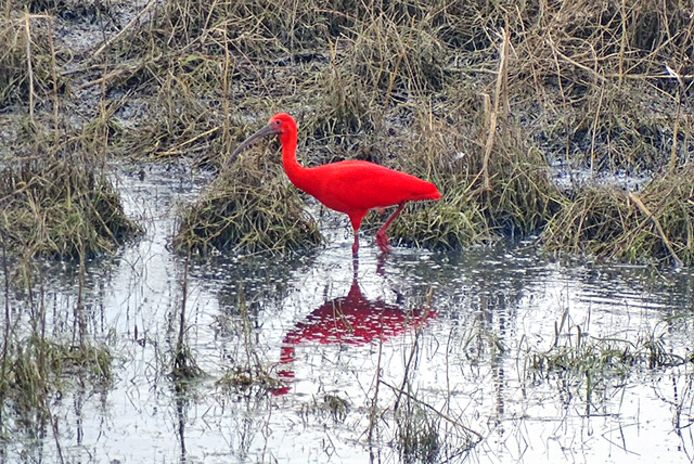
{"x":282,"y":125}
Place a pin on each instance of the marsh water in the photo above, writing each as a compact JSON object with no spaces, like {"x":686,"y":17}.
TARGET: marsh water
{"x":419,"y":356}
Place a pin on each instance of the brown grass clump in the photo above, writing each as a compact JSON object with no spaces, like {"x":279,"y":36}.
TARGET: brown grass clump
{"x":27,"y":59}
{"x":655,"y":225}
{"x":53,"y":206}
{"x":250,"y":207}
{"x":522,"y":197}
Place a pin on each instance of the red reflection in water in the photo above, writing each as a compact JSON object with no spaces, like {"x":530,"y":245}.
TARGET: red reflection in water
{"x":350,"y":320}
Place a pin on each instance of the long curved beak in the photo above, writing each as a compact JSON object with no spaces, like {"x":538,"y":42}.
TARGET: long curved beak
{"x":264,"y":132}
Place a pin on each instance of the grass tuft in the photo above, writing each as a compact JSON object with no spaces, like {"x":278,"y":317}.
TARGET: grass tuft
{"x":243,"y":379}
{"x":60,"y":207}
{"x":520,"y":200}
{"x":250,"y":207}
{"x":592,"y":364}
{"x":417,"y":434}
{"x":39,"y":368}
{"x":656,"y":225}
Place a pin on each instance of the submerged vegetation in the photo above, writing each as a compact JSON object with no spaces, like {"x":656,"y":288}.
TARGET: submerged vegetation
{"x":592,"y":365}
{"x":36,"y":369}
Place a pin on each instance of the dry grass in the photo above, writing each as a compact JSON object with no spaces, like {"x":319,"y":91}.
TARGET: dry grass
{"x":55,"y":195}
{"x":249,"y":208}
{"x":60,"y":207}
{"x":655,"y":225}
{"x":480,"y":97}
{"x":27,"y":59}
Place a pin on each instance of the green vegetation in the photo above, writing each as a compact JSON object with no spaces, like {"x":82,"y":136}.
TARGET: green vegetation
{"x":592,"y":364}
{"x":34,"y":369}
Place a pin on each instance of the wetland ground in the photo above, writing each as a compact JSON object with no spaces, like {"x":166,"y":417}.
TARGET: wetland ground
{"x":158,"y":306}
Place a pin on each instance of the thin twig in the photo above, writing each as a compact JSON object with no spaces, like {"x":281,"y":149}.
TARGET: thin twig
{"x":127,"y":27}
{"x":431,"y":408}
{"x":8,"y":323}
{"x":494,"y":115}
{"x":30,"y":71}
{"x":374,"y":401}
{"x":637,"y":201}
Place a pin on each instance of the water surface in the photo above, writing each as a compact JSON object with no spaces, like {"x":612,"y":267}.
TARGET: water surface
{"x":446,"y":339}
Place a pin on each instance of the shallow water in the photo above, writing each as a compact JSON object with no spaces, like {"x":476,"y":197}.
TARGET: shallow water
{"x":456,"y":332}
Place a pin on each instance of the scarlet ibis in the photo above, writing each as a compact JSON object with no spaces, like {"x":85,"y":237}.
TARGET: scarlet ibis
{"x":352,"y":187}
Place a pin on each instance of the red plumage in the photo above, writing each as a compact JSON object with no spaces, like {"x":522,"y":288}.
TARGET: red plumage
{"x":352,"y":187}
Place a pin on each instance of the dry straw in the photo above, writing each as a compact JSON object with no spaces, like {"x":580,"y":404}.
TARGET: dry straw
{"x":480,"y":97}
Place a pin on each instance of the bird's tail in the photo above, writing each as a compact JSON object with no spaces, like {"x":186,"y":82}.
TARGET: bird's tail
{"x":427,"y":191}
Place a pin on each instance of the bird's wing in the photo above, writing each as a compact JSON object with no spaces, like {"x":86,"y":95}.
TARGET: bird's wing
{"x":360,"y":185}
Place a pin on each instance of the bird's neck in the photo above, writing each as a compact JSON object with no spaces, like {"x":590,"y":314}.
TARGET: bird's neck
{"x":295,"y":171}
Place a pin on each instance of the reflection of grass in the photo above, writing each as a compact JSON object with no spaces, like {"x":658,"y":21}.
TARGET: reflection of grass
{"x":336,"y":406}
{"x":247,"y":371}
{"x":184,"y":364}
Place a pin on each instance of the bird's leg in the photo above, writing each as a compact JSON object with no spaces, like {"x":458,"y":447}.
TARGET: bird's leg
{"x":381,"y":235}
{"x":355,"y":217}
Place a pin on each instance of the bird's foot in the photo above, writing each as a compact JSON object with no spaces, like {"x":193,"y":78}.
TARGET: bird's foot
{"x":383,"y":242}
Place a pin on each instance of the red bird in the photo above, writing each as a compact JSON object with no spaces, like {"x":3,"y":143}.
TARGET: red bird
{"x":352,"y":187}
